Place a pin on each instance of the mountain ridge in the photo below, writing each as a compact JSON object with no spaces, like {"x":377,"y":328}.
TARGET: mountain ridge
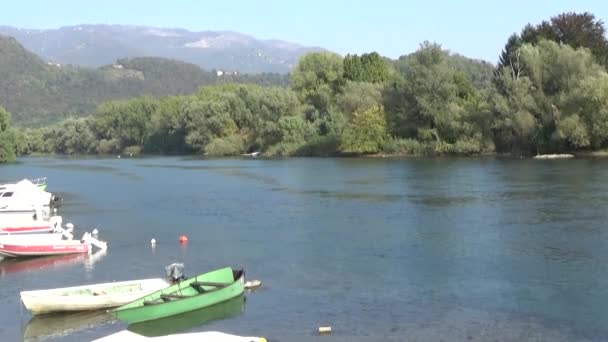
{"x":94,"y":45}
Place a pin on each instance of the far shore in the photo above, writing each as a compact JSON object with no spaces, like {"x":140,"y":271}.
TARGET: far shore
{"x":548,"y":156}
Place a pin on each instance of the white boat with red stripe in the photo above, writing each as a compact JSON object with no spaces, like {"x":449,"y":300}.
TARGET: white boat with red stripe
{"x":28,"y":245}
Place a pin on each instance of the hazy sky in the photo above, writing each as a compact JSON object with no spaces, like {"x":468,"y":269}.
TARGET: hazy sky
{"x":475,"y":28}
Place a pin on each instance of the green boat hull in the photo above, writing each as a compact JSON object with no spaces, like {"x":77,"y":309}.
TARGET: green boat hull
{"x":195,"y":293}
{"x":187,"y":321}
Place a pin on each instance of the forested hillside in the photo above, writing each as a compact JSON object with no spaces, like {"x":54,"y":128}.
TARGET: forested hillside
{"x":39,"y":93}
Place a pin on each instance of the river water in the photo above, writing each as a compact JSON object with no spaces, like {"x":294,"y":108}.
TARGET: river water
{"x":379,"y":249}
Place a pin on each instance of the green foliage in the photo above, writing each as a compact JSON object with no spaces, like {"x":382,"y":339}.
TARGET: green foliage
{"x":219,"y":120}
{"x":7,"y":138}
{"x":317,"y":78}
{"x":73,"y":136}
{"x":107,"y":146}
{"x":585,"y":113}
{"x":479,"y":73}
{"x":359,"y":97}
{"x":5,"y":119}
{"x":132,"y":150}
{"x":252,"y":111}
{"x":366,"y":132}
{"x":227,"y":146}
{"x":407,"y":146}
{"x":433,"y":101}
{"x":292,"y":134}
{"x":574,"y":29}
{"x":369,"y":67}
{"x":560,"y":104}
{"x":7,"y":146}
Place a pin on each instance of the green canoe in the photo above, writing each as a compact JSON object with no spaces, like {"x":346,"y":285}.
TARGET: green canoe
{"x":186,"y":321}
{"x":188,"y":295}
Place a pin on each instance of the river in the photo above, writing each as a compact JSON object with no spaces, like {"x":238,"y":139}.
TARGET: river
{"x":378,"y":249}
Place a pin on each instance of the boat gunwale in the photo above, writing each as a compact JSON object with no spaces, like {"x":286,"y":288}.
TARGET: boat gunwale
{"x":35,"y":293}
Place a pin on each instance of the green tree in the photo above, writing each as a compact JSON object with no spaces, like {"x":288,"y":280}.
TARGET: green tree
{"x":293,"y":134}
{"x":366,"y":133}
{"x":369,"y":67}
{"x":249,"y":111}
{"x":434,"y":102}
{"x":558,"y":104}
{"x":167,"y":127}
{"x":74,"y":136}
{"x":127,"y":122}
{"x":574,"y":29}
{"x":317,"y":78}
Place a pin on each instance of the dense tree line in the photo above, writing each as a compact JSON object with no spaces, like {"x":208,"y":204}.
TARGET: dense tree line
{"x":548,"y":93}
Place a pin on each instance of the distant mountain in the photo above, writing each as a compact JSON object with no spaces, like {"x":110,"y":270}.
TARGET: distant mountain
{"x":38,"y":92}
{"x":97,"y":45}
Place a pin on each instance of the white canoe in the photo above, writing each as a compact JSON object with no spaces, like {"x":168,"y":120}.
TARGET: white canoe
{"x":89,"y":297}
{"x":207,"y":336}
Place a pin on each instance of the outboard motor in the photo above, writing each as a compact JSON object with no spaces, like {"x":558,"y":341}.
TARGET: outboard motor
{"x":175,"y":272}
{"x":56,"y":201}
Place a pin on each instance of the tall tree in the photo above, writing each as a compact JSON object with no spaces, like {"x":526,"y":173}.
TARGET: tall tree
{"x":561,"y":103}
{"x":317,"y":78}
{"x":369,"y":67}
{"x":574,"y":29}
{"x":433,"y":102}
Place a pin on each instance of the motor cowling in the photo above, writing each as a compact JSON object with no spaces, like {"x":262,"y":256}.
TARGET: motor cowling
{"x":175,"y":272}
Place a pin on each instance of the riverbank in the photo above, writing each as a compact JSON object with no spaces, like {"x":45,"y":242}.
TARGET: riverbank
{"x":262,"y":155}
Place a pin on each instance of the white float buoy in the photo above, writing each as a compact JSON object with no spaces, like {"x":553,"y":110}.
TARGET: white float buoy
{"x":252,"y":284}
{"x":153,"y":242}
{"x":324,"y":330}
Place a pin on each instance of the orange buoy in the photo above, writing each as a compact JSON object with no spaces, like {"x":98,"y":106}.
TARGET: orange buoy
{"x":183,"y":239}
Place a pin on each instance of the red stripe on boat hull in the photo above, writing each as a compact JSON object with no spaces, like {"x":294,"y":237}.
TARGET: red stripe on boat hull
{"x":39,"y":229}
{"x":40,"y":250}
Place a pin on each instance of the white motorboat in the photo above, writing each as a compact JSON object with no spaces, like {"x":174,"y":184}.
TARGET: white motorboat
{"x":24,"y":195}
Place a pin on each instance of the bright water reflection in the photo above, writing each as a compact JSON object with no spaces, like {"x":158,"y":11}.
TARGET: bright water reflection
{"x":50,"y":263}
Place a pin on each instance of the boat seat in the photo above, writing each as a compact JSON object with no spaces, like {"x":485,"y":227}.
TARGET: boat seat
{"x":208,"y":283}
{"x":169,"y":297}
{"x":150,"y":302}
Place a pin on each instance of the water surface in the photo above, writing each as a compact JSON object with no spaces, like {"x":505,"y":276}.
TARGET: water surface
{"x":391,"y":250}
